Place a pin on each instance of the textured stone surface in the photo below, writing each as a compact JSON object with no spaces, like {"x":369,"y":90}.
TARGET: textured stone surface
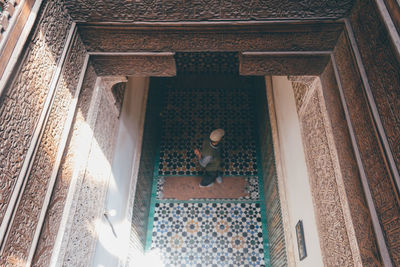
{"x":157,"y":10}
{"x":263,"y":64}
{"x":279,"y":37}
{"x":378,"y":176}
{"x":361,"y":219}
{"x":28,"y":210}
{"x":22,"y":102}
{"x":333,"y":236}
{"x":135,"y":65}
{"x":57,"y":202}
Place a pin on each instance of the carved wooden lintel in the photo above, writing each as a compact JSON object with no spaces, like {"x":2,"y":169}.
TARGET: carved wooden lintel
{"x":135,"y":64}
{"x":259,"y":63}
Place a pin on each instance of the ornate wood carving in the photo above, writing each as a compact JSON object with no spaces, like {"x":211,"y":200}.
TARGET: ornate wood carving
{"x":152,"y":64}
{"x":383,"y":71}
{"x":22,"y":228}
{"x":213,"y":38}
{"x":379,"y":177}
{"x":268,"y":64}
{"x":200,"y":10}
{"x":22,"y":102}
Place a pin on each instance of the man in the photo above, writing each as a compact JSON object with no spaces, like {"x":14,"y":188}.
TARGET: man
{"x":210,"y":158}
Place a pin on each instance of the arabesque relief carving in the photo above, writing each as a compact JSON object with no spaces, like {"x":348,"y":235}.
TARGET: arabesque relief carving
{"x":27,"y":213}
{"x":305,"y":37}
{"x":22,"y":102}
{"x":335,"y":244}
{"x":200,"y":10}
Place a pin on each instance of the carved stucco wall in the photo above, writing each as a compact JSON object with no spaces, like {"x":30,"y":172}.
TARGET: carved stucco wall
{"x":22,"y":102}
{"x":53,"y":217}
{"x":78,"y":246}
{"x":323,"y":175}
{"x":24,"y":223}
{"x":198,"y":10}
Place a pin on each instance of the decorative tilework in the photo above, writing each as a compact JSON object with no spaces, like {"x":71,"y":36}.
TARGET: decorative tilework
{"x":190,"y":114}
{"x":252,"y":188}
{"x":209,"y":234}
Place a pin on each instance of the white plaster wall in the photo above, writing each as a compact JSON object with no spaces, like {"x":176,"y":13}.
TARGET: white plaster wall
{"x":294,"y":170}
{"x":111,"y":249}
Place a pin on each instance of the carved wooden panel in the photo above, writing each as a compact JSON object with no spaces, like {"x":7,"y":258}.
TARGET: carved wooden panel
{"x":267,"y":64}
{"x":135,"y":65}
{"x":279,"y":37}
{"x":383,"y":71}
{"x":22,"y":102}
{"x":22,"y":228}
{"x":199,"y":10}
{"x":378,"y":175}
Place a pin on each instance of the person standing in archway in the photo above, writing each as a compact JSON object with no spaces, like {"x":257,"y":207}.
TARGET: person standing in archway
{"x":210,"y":158}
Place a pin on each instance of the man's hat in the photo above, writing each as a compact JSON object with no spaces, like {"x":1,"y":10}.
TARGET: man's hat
{"x":217,"y":135}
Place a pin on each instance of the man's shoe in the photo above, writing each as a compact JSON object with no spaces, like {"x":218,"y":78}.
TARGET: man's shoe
{"x":209,"y":185}
{"x":219,"y":179}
